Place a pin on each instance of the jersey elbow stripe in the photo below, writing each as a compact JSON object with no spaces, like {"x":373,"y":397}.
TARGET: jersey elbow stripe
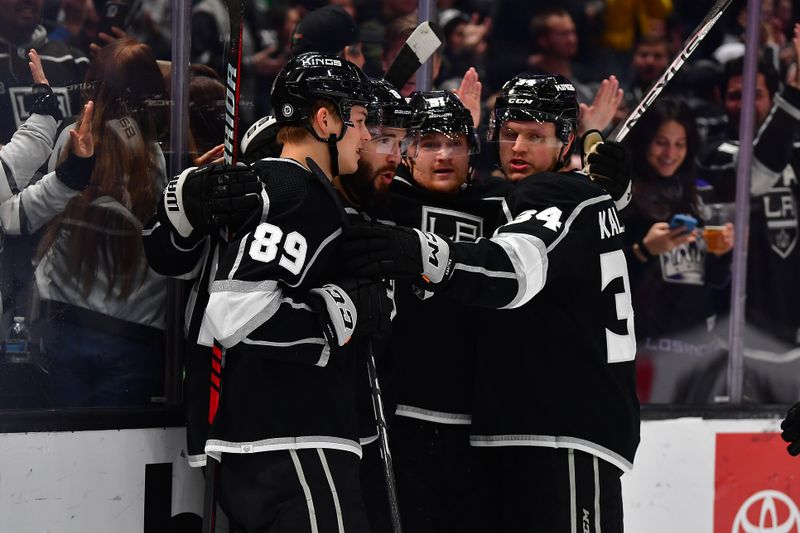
{"x":528,"y":256}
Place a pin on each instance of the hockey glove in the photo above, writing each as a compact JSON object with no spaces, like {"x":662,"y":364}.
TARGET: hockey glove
{"x":380,"y":251}
{"x":354,"y":307}
{"x":791,"y":429}
{"x":608,"y":163}
{"x":202,"y":200}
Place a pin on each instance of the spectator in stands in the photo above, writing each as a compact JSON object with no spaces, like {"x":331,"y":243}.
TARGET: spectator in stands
{"x":624,"y":19}
{"x":20,"y":30}
{"x":375,"y":29}
{"x":557,"y":45}
{"x":329,"y":29}
{"x":673,"y":272}
{"x":773,"y":285}
{"x":104,"y":341}
{"x":464,"y":45}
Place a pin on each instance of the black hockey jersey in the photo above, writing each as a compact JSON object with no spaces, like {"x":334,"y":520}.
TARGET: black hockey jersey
{"x":773,"y":283}
{"x":433,"y":340}
{"x":282,"y":385}
{"x":64,"y":66}
{"x":555,"y":364}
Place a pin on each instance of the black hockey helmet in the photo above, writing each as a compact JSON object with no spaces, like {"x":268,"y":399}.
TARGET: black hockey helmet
{"x":314,"y":76}
{"x":390,"y":109}
{"x":537,"y":97}
{"x":442,"y":112}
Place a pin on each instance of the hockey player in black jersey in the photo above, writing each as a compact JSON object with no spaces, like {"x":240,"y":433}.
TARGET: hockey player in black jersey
{"x":555,"y":415}
{"x":432,"y":343}
{"x":286,"y":425}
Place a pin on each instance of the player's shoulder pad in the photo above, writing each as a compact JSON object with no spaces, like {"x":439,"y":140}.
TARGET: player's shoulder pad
{"x":491,"y":187}
{"x":286,"y":182}
{"x":565,"y":190}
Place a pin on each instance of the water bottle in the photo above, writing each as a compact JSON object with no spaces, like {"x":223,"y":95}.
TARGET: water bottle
{"x":17,"y":344}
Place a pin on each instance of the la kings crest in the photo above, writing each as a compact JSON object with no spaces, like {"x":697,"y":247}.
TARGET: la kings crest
{"x":780,"y":211}
{"x":461,"y":227}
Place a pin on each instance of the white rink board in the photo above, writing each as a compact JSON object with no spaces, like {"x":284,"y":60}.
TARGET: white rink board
{"x":672,"y":486}
{"x":93,"y":481}
{"x":89,"y":481}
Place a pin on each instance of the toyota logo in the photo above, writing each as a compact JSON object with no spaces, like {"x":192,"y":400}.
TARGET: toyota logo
{"x":771,"y":516}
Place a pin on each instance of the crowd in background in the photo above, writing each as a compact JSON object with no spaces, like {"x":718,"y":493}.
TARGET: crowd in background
{"x":97,"y":313}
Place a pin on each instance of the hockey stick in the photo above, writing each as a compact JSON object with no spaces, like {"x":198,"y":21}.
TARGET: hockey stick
{"x":419,"y":47}
{"x":383,"y":440}
{"x":232,"y":86}
{"x":377,"y":400}
{"x":624,"y":127}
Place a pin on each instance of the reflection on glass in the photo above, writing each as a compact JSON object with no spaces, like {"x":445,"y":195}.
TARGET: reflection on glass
{"x":104,"y":308}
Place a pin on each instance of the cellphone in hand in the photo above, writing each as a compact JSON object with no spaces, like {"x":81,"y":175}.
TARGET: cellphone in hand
{"x":687,"y":222}
{"x":114,"y":14}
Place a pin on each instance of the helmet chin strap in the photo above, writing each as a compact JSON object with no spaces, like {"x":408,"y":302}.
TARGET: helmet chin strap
{"x":333,"y":150}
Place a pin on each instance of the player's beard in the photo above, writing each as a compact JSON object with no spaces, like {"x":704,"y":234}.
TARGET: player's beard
{"x":361,"y":185}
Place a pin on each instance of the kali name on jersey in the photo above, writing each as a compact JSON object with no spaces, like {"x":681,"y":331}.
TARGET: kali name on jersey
{"x":608,"y":219}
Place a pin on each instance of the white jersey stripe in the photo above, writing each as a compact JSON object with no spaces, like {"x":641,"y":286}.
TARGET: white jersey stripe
{"x":528,"y":255}
{"x":312,"y":514}
{"x":336,"y":504}
{"x":596,"y":495}
{"x":574,"y":215}
{"x":573,"y":507}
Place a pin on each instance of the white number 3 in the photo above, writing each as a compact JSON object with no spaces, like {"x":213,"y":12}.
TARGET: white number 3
{"x":266,"y":243}
{"x":620,"y":348}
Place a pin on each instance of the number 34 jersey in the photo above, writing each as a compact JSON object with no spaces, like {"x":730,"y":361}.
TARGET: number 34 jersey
{"x":555,"y":367}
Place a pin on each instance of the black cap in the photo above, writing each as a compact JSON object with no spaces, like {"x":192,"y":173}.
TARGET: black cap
{"x":328,"y":29}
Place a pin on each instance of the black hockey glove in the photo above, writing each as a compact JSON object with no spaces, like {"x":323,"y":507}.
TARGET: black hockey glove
{"x":355,"y":307}
{"x":379,"y":251}
{"x":44,"y":101}
{"x":791,"y":429}
{"x":202,"y":200}
{"x":608,"y":163}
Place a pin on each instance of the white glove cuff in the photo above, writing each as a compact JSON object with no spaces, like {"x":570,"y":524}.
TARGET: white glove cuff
{"x":435,"y":256}
{"x":341,"y":310}
{"x":173,"y":204}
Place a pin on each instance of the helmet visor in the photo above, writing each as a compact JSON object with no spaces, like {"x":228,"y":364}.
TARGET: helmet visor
{"x":386,"y":140}
{"x":434,"y":143}
{"x":514,"y":125}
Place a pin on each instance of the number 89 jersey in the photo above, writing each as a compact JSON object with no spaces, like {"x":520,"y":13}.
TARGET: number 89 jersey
{"x":555,"y":367}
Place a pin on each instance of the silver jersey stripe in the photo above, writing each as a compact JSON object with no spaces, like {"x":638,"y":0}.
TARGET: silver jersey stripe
{"x":336,"y":504}
{"x":484,"y":271}
{"x":238,"y":261}
{"x":196,"y":461}
{"x":573,"y":507}
{"x":233,"y":285}
{"x":428,"y":415}
{"x":215,"y":447}
{"x":596,"y":495}
{"x":312,"y":514}
{"x":277,"y":344}
{"x":549,"y":441}
{"x":324,"y":243}
{"x":367,"y":440}
{"x":574,"y":215}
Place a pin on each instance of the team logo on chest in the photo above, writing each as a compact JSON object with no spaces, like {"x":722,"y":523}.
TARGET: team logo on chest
{"x":780,"y":210}
{"x":454,"y":224}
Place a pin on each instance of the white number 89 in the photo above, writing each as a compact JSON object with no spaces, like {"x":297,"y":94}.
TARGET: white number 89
{"x":266,"y":241}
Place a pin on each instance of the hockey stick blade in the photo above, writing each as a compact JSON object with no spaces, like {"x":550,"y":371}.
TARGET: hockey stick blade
{"x":419,"y":47}
{"x":623,"y":128}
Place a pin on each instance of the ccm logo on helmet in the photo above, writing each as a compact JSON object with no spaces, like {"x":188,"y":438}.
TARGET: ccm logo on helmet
{"x":317,"y":61}
{"x":524,"y":101}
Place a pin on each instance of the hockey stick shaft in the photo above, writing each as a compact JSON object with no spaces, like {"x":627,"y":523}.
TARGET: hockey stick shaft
{"x":624,"y":127}
{"x":383,"y":440}
{"x":231,"y":143}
